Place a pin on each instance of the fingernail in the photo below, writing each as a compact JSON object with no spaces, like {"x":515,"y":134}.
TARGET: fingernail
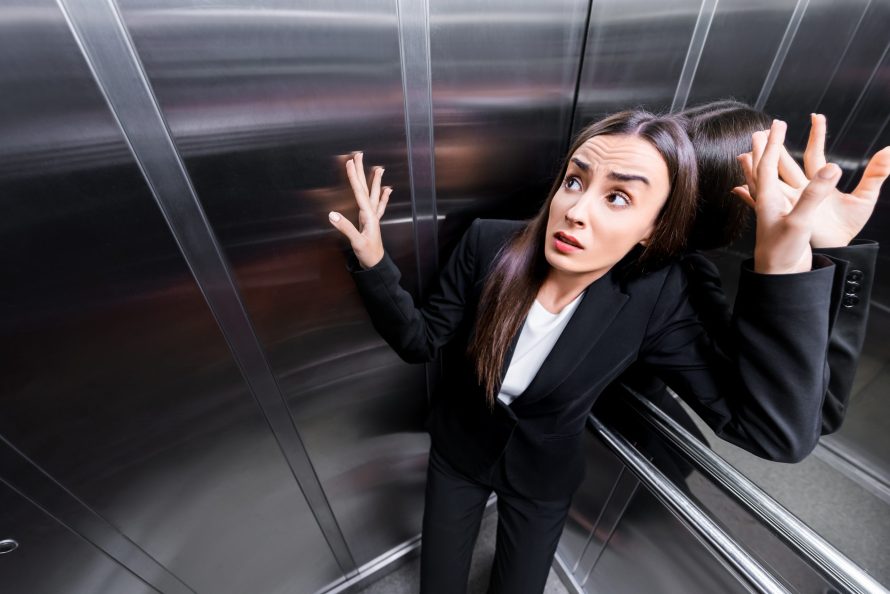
{"x":830,"y":171}
{"x":334,"y":217}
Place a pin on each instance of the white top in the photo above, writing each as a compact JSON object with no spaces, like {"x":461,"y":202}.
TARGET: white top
{"x":539,"y":333}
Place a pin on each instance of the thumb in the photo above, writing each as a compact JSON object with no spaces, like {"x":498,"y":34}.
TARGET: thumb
{"x":875,"y":174}
{"x":820,"y":188}
{"x":345,"y":226}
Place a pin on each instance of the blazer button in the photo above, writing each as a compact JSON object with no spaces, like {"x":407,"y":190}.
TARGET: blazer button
{"x":850,"y":300}
{"x":854,"y":276}
{"x":851,"y":287}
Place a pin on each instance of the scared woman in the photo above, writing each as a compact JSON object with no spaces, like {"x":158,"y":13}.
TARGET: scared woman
{"x":535,"y":318}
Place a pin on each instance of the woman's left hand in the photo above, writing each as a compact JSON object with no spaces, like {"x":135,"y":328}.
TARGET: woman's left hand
{"x":843,"y":215}
{"x":783,"y":234}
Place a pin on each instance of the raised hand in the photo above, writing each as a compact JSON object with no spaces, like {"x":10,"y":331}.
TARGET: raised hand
{"x":843,"y":215}
{"x":366,"y":241}
{"x":783,"y":235}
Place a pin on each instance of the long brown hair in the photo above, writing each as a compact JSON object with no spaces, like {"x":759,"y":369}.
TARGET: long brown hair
{"x":720,"y":131}
{"x":520,"y":268}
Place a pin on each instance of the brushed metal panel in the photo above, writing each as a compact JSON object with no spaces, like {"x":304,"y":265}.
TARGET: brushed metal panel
{"x":651,"y":551}
{"x":117,"y":381}
{"x":263,"y":100}
{"x":603,"y":472}
{"x":52,"y":559}
{"x":503,"y":76}
{"x":826,"y":30}
{"x":635,"y":55}
{"x":742,"y":43}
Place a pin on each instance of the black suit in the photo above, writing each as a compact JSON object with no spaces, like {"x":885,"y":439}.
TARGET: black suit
{"x":763,"y":389}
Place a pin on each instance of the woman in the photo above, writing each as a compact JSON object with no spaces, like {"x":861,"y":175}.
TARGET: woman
{"x":558,"y":307}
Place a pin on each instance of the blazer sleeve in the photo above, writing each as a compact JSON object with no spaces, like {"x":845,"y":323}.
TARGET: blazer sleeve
{"x":761,"y":385}
{"x":416,"y":334}
{"x":848,"y":320}
{"x":850,"y":298}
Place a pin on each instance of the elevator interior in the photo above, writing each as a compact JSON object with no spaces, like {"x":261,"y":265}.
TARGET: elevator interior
{"x":193,"y":398}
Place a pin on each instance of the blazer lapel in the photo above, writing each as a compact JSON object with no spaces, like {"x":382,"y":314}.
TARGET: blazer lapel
{"x":594,"y":314}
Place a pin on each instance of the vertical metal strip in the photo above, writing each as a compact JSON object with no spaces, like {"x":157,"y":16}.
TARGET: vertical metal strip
{"x":111,"y":56}
{"x":417,"y":90}
{"x":30,"y":481}
{"x":779,"y":59}
{"x":414,"y":50}
{"x":694,"y":53}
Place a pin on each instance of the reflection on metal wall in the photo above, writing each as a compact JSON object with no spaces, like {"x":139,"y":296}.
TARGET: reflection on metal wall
{"x":504,"y":75}
{"x":128,"y":411}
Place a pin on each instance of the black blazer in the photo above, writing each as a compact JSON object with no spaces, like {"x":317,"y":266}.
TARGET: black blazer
{"x":762,"y":385}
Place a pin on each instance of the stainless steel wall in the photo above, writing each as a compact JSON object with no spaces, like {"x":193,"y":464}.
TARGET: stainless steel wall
{"x":193,"y":397}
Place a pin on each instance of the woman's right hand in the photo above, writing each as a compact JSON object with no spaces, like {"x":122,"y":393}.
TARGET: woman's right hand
{"x":366,"y":241}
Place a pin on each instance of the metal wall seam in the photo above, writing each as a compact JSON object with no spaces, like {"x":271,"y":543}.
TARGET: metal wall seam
{"x":111,"y":56}
{"x":800,"y":10}
{"x":693,"y":55}
{"x":570,"y":133}
{"x":34,"y":484}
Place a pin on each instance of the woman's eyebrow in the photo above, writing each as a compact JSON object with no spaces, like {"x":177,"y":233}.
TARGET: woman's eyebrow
{"x":615,"y":175}
{"x":581,"y":164}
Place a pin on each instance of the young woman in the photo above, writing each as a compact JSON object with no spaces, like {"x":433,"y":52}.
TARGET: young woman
{"x":535,"y":318}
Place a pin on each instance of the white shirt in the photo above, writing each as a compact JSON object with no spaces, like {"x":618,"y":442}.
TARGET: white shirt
{"x":539,"y":333}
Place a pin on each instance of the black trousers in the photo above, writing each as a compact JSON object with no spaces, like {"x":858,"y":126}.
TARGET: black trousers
{"x":527,"y":534}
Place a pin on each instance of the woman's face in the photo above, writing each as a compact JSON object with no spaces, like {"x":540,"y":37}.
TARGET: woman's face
{"x":613,"y":191}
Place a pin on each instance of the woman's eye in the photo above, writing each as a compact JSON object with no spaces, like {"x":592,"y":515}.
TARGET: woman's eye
{"x":618,"y":200}
{"x":572,"y":183}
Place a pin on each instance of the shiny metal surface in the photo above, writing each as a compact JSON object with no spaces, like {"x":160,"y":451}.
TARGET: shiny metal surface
{"x":742,"y":43}
{"x":52,"y":559}
{"x":706,"y":529}
{"x":119,"y":72}
{"x":503,"y":75}
{"x":814,"y":58}
{"x":809,"y":545}
{"x":263,"y":100}
{"x":635,"y":55}
{"x":117,"y":381}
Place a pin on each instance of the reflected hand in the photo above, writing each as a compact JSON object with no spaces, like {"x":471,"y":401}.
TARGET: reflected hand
{"x":783,"y":234}
{"x":366,"y":241}
{"x":843,"y":215}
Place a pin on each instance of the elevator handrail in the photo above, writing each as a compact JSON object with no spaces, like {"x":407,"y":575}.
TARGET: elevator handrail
{"x":807,"y":543}
{"x":719,"y":542}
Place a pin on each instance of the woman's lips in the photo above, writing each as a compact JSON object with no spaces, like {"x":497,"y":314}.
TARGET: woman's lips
{"x":565,"y":243}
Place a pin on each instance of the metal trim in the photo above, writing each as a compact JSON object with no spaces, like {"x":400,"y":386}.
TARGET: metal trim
{"x":803,"y":539}
{"x":416,"y":67}
{"x":800,"y":9}
{"x":30,"y":481}
{"x":571,"y":131}
{"x":717,"y":541}
{"x":694,"y":53}
{"x":105,"y":43}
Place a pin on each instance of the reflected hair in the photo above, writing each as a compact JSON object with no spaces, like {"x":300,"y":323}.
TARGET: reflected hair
{"x":720,"y":131}
{"x":520,"y":267}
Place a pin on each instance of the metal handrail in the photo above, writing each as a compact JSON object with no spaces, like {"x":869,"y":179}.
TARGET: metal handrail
{"x":719,"y":542}
{"x":812,"y":547}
